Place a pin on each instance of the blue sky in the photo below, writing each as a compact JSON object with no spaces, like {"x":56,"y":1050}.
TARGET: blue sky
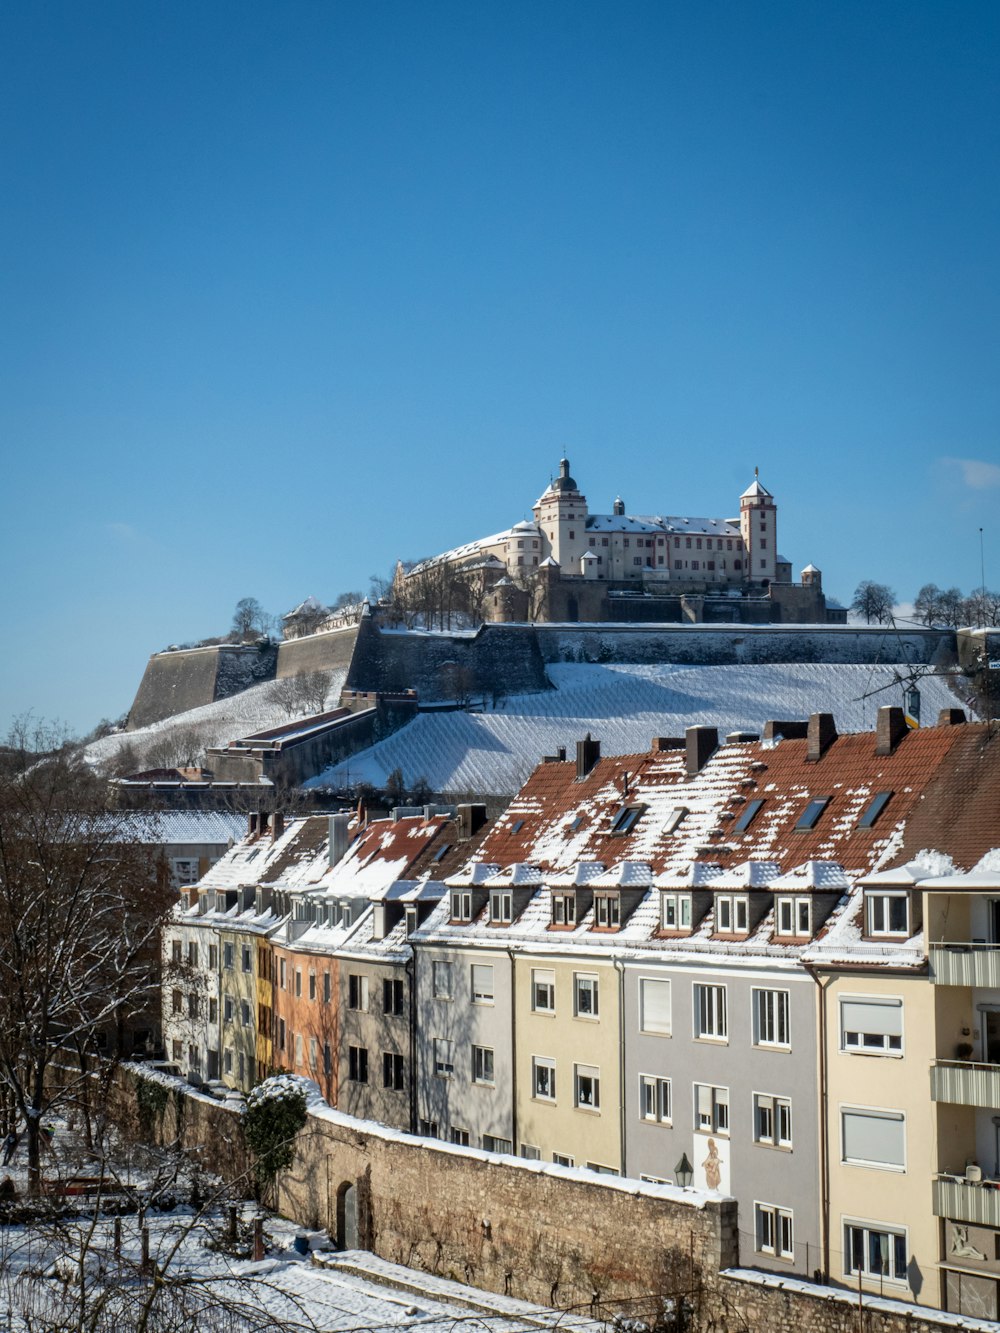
{"x":293,"y":289}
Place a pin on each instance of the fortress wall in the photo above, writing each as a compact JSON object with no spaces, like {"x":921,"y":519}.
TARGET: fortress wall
{"x":175,"y":682}
{"x":443,"y":666}
{"x":317,"y":652}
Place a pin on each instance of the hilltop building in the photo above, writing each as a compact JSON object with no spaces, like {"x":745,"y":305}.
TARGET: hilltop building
{"x":568,"y":564}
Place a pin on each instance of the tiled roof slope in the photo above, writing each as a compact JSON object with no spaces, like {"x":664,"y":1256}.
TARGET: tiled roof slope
{"x":959,"y":811}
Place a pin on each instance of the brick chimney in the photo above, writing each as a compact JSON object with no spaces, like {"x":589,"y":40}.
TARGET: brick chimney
{"x":821,"y":732}
{"x":951,"y":717}
{"x":471,"y":818}
{"x":588,"y":752}
{"x":277,"y":825}
{"x":890,"y":729}
{"x":788,"y":730}
{"x":702,"y":742}
{"x":338,"y":837}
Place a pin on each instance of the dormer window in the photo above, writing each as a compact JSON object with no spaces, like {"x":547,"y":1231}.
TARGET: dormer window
{"x":793,"y":917}
{"x":501,"y":907}
{"x":887,"y":913}
{"x":675,"y":911}
{"x":607,"y":910}
{"x":732,"y":914}
{"x":625,"y":820}
{"x":564,"y":909}
{"x":461,"y":905}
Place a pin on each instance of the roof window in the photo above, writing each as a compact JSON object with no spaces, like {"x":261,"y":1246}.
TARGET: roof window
{"x":517,"y":826}
{"x":675,"y":819}
{"x":874,"y":809}
{"x":441,"y":852}
{"x":811,"y":813}
{"x":625,"y":819}
{"x":748,"y":816}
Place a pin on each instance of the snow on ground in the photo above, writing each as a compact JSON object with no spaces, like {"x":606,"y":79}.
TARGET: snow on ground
{"x":624,"y":707}
{"x":255,"y":709}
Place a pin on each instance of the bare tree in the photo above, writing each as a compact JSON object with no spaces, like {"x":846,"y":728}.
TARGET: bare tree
{"x":874,"y":601}
{"x":249,"y":619}
{"x":927,"y":604}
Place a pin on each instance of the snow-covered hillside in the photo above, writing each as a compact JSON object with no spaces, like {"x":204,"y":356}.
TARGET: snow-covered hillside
{"x":164,"y":743}
{"x":625,"y":707}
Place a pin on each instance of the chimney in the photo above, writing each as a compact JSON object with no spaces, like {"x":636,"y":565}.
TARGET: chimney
{"x":702,"y":742}
{"x":338,"y":837}
{"x":663,"y":743}
{"x":951,"y":717}
{"x":277,"y":825}
{"x":471,"y":818}
{"x":890,"y":729}
{"x":789,"y":731}
{"x":253,"y":823}
{"x":821,"y":732}
{"x":560,"y":754}
{"x":588,"y":752}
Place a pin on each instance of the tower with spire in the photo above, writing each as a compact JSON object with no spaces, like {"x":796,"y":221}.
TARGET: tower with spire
{"x":759,"y":529}
{"x":561,"y":515}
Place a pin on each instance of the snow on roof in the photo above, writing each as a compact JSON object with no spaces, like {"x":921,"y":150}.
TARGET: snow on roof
{"x":824,"y":876}
{"x":215,"y":828}
{"x":755,"y":490}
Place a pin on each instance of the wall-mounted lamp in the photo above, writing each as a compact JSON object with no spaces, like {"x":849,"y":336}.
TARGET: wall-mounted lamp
{"x":684,"y":1172}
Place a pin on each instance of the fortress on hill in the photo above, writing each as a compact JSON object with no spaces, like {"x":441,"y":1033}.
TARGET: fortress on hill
{"x":568,"y":564}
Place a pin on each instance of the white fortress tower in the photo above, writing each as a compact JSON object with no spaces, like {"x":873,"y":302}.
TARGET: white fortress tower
{"x":759,"y":528}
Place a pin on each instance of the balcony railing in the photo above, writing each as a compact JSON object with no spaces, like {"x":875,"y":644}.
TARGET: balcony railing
{"x":967,"y":1201}
{"x":965,"y":1083}
{"x":965,"y":963}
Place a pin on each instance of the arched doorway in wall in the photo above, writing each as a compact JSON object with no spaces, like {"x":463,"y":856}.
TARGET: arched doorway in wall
{"x":347,"y":1217}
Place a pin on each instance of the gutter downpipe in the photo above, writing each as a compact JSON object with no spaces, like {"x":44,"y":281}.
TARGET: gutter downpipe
{"x":513,"y":1057}
{"x":824,"y":1136}
{"x":620,"y":969}
{"x":411,"y":976}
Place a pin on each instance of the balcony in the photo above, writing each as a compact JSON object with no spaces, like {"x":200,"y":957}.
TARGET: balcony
{"x":965,"y":1084}
{"x":967,"y":1201}
{"x":971,"y":963}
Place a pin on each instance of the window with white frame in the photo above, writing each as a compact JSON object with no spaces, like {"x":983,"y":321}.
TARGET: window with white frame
{"x":675,"y":911}
{"x":501,"y":907}
{"x":185,"y":870}
{"x":543,"y":990}
{"x":772,"y":1120}
{"x":711,"y":1109}
{"x":654,"y":1005}
{"x":710,"y":1020}
{"x":543,"y":1078}
{"x":875,"y":1251}
{"x":441,"y":976}
{"x":246,"y":958}
{"x":564,"y":909}
{"x":655,"y":1099}
{"x":607,"y":910}
{"x":357,"y":992}
{"x":793,"y":917}
{"x":245,"y":1014}
{"x":773,"y":1231}
{"x":357,"y":1063}
{"x":770,"y":1018}
{"x":492,"y":1143}
{"x":871,"y":1137}
{"x":871,"y":1025}
{"x":586,"y":1087}
{"x":562,"y":1159}
{"x":444,"y":1057}
{"x":887,"y":913}
{"x":530,"y":1153}
{"x":482,"y":983}
{"x":482,"y":1064}
{"x":585,"y":995}
{"x":461,"y":905}
{"x":732,"y":914}
{"x":228,"y":954}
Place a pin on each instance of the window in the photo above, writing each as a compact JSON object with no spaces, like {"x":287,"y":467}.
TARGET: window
{"x":871,"y":1025}
{"x":357,"y":1064}
{"x":794,"y":917}
{"x":392,"y":996}
{"x":560,"y":1159}
{"x":501,"y":907}
{"x":654,"y":1005}
{"x":444,"y":1057}
{"x":710,"y":1012}
{"x":392,"y":1071}
{"x":228,"y":1007}
{"x":873,"y":1138}
{"x":493,"y":1144}
{"x":607,"y":910}
{"x":313,"y":1054}
{"x":228,"y":955}
{"x":543,"y":990}
{"x":888,"y":913}
{"x":298,"y":981}
{"x":459,"y":1136}
{"x":731,"y":914}
{"x":711,"y":1109}
{"x":227,"y":1058}
{"x":585,"y":995}
{"x":675,"y":819}
{"x":773,"y":1230}
{"x":626,"y":818}
{"x":281,"y":973}
{"x":772,"y":1120}
{"x":654,"y":1099}
{"x":213,"y":1011}
{"x":586,"y":1088}
{"x":312,"y":985}
{"x":246,"y":958}
{"x":281,"y":1034}
{"x":874,"y":808}
{"x":750,"y":813}
{"x":461,"y":905}
{"x":357,"y":992}
{"x":298,"y":1048}
{"x":429,"y":1129}
{"x":442,"y":981}
{"x":874,"y":1252}
{"x":192,"y":954}
{"x":326,"y":988}
{"x":543,"y":1078}
{"x":530,"y":1153}
{"x":675,"y":911}
{"x":327,"y":1059}
{"x":770,"y":1018}
{"x":482,"y":1064}
{"x":811,"y":813}
{"x":213,"y":956}
{"x":564,"y":909}
{"x":185,"y":870}
{"x":192,"y":1006}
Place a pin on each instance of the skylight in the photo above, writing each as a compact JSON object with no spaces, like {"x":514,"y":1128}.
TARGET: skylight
{"x":625,"y":819}
{"x":576,"y":823}
{"x":440,"y":853}
{"x":674,"y":819}
{"x":875,"y":808}
{"x":748,"y":816}
{"x":517,"y":826}
{"x":812,"y":812}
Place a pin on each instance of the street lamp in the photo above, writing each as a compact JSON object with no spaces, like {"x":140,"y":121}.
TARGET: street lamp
{"x":684,"y":1172}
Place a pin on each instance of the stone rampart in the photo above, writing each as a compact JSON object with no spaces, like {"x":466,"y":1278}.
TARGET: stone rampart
{"x":327,"y":651}
{"x":175,"y":682}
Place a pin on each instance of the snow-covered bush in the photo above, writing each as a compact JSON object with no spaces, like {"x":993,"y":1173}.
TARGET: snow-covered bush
{"x":274,"y":1113}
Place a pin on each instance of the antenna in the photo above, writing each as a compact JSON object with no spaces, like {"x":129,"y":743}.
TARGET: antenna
{"x":982,"y":583}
